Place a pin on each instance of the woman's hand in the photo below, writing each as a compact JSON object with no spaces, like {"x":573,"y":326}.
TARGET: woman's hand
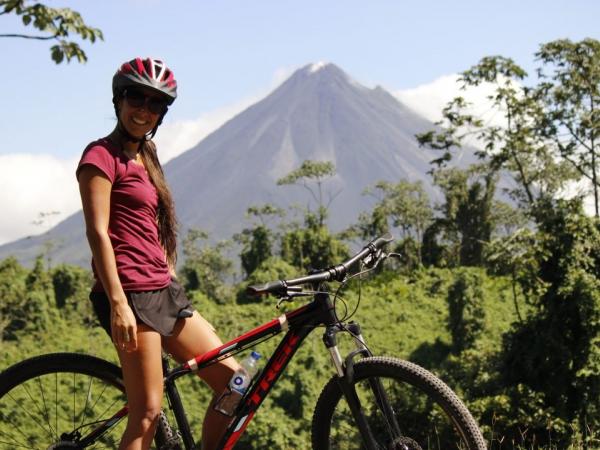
{"x":123,"y":326}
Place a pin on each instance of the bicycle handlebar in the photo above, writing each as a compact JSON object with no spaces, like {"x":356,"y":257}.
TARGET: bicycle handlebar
{"x":334,"y":273}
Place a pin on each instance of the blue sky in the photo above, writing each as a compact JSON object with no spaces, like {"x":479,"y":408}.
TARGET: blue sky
{"x":228,"y":54}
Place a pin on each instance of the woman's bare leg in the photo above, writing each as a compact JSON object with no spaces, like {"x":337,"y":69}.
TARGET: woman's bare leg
{"x":192,"y":337}
{"x":142,"y":375}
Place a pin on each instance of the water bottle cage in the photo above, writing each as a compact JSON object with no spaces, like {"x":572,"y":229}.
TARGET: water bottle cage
{"x":228,"y":402}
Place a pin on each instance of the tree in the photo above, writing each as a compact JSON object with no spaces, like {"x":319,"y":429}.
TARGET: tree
{"x":466,"y":315}
{"x":312,"y":247}
{"x":570,"y":91}
{"x":39,"y":305}
{"x":55,"y":24}
{"x":206,"y":269}
{"x":514,"y":255}
{"x":13,"y":293}
{"x":406,"y":207}
{"x":519,"y":145}
{"x":550,"y":374}
{"x":556,"y":351}
{"x":466,"y":222}
{"x":257,"y":241}
{"x":308,"y":174}
{"x":71,"y":290}
{"x":369,"y":225}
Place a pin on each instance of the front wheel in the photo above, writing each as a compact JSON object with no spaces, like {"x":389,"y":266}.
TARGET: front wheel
{"x":58,"y":401}
{"x":405,"y":407}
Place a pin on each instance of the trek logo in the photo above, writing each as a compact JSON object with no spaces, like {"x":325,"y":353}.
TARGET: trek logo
{"x":278,"y":363}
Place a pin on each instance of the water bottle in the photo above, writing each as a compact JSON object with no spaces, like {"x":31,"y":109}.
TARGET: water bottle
{"x":238,"y":385}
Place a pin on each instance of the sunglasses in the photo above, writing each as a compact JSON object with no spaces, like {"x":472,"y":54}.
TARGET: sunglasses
{"x":136,"y":99}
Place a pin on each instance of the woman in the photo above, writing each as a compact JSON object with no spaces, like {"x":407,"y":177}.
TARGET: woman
{"x":130,"y":226}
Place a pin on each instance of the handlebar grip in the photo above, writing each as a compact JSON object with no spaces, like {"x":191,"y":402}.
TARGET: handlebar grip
{"x":270,"y":287}
{"x":383,"y":240}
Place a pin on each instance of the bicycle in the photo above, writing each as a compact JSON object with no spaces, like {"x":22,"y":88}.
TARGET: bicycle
{"x":370,"y":402}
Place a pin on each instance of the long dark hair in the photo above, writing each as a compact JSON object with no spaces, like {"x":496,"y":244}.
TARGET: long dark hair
{"x":165,"y":213}
{"x":166,"y":219}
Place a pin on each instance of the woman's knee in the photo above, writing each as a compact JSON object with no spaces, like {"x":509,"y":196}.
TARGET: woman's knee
{"x":144,"y":416}
{"x":145,"y":408}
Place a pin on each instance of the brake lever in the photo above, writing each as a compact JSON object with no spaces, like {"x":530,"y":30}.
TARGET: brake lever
{"x":291,"y":293}
{"x":373,"y":259}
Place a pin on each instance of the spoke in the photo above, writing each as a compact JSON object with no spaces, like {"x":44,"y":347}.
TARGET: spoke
{"x":96,"y":417}
{"x":109,"y":407}
{"x":10,"y":395}
{"x":74,"y":398}
{"x":46,"y":413}
{"x":87,"y":398}
{"x":14,"y":441}
{"x":100,"y":417}
{"x":15,"y":444}
{"x":18,"y":429}
{"x":56,"y":401}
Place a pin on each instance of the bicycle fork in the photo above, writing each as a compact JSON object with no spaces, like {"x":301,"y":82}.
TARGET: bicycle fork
{"x":345,"y":377}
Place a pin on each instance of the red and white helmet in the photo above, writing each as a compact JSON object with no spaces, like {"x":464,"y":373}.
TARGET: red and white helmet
{"x":150,"y":73}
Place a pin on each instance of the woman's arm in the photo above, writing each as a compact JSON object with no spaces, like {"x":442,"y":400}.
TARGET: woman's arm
{"x":95,"y":189}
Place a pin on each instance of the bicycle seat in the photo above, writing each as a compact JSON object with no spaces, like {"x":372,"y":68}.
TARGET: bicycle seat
{"x":185,"y":313}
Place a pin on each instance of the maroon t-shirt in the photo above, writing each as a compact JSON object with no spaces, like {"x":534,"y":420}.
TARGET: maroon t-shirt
{"x":132,"y":228}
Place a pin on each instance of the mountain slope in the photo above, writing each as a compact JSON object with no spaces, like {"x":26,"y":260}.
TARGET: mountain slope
{"x":319,"y":113}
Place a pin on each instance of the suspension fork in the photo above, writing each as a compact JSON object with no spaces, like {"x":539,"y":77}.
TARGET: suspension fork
{"x":345,"y":380}
{"x":345,"y":377}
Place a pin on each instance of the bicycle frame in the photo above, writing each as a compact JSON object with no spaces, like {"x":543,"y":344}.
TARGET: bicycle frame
{"x":298,"y":324}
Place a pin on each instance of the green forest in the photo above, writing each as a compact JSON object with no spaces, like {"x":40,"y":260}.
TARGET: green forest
{"x":496,"y":290}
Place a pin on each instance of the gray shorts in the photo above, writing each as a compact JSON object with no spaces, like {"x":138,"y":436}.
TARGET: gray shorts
{"x":158,"y":309}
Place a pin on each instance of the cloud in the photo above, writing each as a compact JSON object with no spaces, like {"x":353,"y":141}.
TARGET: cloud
{"x":429,"y":99}
{"x":36,"y":192}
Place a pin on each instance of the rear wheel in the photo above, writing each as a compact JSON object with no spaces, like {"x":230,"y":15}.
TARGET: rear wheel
{"x":405,"y":407}
{"x":53,"y":402}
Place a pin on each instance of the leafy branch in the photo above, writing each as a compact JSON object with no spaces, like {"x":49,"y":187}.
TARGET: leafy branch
{"x":56,"y":24}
